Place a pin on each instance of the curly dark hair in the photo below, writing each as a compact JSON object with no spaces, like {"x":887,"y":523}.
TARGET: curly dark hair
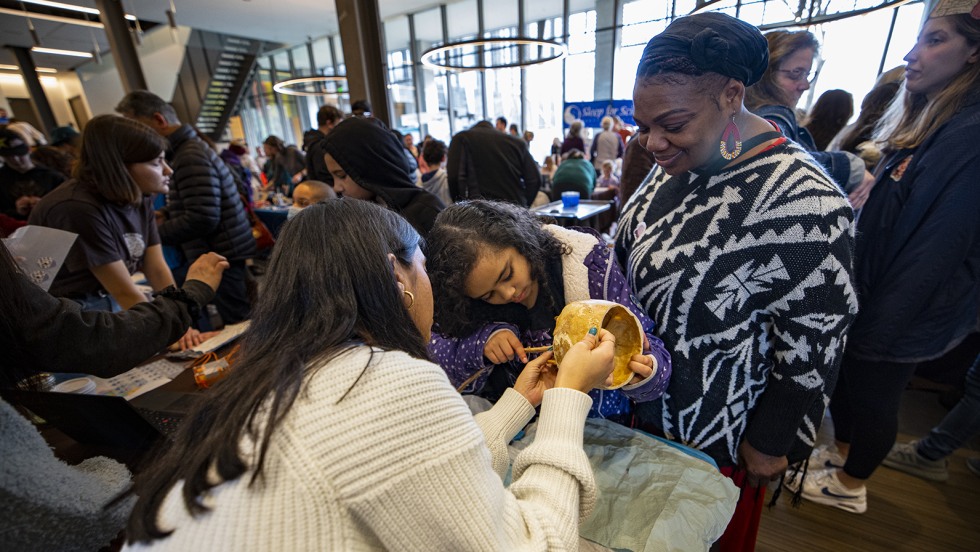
{"x":464,"y":231}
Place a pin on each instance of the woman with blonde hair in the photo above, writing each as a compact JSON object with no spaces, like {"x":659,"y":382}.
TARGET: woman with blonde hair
{"x":917,"y":253}
{"x":775,"y":97}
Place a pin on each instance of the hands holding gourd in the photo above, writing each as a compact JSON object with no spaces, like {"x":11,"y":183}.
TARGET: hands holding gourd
{"x":587,"y":365}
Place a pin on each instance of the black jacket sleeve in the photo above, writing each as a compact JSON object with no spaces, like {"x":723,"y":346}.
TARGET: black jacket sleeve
{"x":198,"y":186}
{"x":532,"y":177}
{"x":55,"y":335}
{"x":454,"y":166}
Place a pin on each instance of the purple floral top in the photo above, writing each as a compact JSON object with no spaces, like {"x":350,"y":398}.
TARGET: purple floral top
{"x":461,"y":358}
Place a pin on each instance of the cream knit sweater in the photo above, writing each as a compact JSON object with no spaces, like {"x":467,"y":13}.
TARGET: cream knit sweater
{"x":400,"y":464}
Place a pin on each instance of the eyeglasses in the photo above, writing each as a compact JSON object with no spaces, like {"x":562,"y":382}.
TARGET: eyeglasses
{"x":796,"y":75}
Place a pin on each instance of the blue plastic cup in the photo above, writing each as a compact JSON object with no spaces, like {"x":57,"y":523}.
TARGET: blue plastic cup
{"x":569,"y":200}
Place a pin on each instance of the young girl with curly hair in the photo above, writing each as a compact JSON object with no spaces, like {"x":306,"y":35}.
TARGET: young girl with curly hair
{"x":500,"y":277}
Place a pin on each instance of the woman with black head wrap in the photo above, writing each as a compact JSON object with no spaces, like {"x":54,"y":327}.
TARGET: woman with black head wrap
{"x":739,"y":246}
{"x":368,"y":162}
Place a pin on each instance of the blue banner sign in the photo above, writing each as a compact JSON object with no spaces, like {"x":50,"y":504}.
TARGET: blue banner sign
{"x":591,"y":113}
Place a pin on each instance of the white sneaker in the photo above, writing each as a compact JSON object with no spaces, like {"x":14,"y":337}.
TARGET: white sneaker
{"x":973,"y":464}
{"x":823,"y":487}
{"x":905,"y":457}
{"x":826,"y":456}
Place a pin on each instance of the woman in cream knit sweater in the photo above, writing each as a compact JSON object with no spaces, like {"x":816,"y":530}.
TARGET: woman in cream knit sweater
{"x":335,"y":433}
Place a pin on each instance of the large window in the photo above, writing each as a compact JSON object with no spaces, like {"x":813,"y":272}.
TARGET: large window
{"x":401,"y":80}
{"x":851,"y":49}
{"x":580,"y":66}
{"x":433,"y":86}
{"x":604,"y":49}
{"x":841,"y":68}
{"x":503,"y":85}
{"x":542,"y":84}
{"x":265,"y":112}
{"x":465,"y":88}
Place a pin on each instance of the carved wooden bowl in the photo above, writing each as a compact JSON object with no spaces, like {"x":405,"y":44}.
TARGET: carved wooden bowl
{"x":577,"y":318}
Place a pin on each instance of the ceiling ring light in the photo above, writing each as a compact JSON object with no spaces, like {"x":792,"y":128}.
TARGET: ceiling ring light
{"x":286,"y":86}
{"x":558,"y":51}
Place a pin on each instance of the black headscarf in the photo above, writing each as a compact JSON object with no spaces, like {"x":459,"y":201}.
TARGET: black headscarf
{"x":371,"y":155}
{"x":375,"y":159}
{"x":712,"y":42}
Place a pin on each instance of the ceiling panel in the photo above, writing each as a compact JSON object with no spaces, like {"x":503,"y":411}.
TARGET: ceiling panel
{"x":281,"y":21}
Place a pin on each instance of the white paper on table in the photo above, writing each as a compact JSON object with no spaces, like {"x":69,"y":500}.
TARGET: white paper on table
{"x":40,"y":252}
{"x":139,"y":380}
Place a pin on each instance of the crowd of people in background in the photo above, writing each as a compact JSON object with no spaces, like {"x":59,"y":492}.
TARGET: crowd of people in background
{"x":782,"y":264}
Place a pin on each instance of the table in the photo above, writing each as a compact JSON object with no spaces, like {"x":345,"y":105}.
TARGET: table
{"x":273,"y":217}
{"x":586,"y":212}
{"x":73,"y":452}
{"x":652,"y":494}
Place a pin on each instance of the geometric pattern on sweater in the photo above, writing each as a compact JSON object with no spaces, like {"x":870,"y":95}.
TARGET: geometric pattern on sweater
{"x":747,"y":275}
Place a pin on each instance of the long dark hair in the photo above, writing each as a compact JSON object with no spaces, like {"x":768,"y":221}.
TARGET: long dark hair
{"x":275,"y":142}
{"x":829,"y":114}
{"x":109,"y":143}
{"x":872,"y":108}
{"x":462,"y":232}
{"x":329,"y":287}
{"x":54,"y":159}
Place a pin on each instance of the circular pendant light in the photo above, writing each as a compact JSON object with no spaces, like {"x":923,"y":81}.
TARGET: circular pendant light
{"x":307,"y":86}
{"x":446,"y":56}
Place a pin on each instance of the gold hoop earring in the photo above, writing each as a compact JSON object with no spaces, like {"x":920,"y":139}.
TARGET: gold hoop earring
{"x":411,"y":297}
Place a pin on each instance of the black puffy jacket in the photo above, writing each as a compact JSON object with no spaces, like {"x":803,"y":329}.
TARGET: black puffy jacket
{"x":204,"y":211}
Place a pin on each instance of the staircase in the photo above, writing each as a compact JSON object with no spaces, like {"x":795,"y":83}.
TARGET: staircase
{"x":212,"y":78}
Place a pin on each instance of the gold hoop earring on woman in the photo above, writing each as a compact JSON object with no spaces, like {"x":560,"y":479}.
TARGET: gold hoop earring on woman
{"x":411,"y":298}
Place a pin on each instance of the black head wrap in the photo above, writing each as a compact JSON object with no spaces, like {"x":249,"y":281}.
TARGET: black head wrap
{"x":712,"y":42}
{"x":371,"y":155}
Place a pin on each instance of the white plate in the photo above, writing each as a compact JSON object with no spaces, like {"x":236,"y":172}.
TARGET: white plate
{"x":83,"y":386}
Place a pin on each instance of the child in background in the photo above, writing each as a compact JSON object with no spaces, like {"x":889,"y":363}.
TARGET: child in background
{"x":608,"y":179}
{"x":434,"y":179}
{"x":500,"y":277}
{"x":547,"y":171}
{"x":307,"y":193}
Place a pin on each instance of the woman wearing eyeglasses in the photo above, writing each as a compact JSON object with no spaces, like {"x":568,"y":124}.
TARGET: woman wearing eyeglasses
{"x":775,"y":97}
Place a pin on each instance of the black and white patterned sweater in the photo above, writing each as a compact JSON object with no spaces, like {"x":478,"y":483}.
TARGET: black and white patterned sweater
{"x":748,"y":276}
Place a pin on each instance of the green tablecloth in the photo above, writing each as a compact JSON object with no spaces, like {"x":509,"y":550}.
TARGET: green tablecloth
{"x":652,"y":495}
